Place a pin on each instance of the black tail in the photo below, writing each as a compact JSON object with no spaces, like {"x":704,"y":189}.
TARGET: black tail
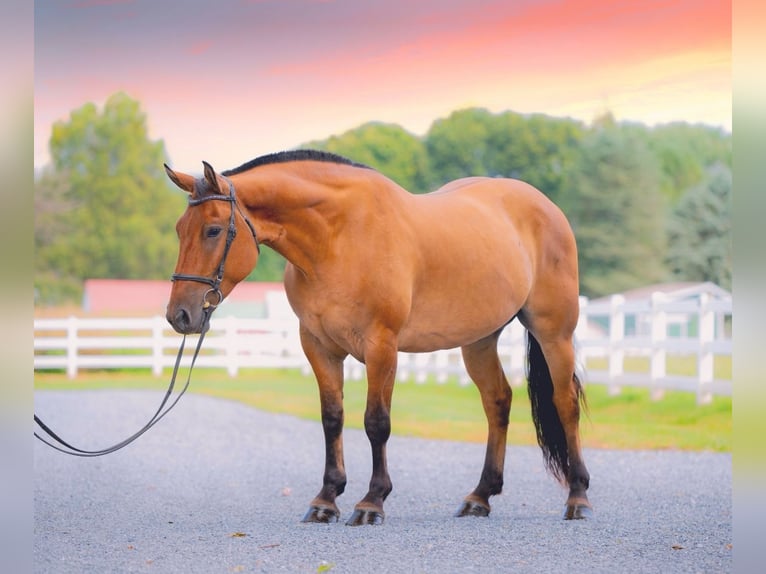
{"x":550,"y":432}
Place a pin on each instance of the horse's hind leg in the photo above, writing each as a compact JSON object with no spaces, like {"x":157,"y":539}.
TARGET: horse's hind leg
{"x":567,"y":394}
{"x":328,"y":370}
{"x":558,"y":416}
{"x":484,"y":368}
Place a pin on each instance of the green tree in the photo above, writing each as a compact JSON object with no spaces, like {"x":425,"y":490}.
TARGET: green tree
{"x":270,"y":267}
{"x":457,"y":145}
{"x":388,"y":148}
{"x":105,"y":208}
{"x":686,"y":153}
{"x":536,"y":148}
{"x":52,"y":285}
{"x":617,"y":212}
{"x":699,"y":231}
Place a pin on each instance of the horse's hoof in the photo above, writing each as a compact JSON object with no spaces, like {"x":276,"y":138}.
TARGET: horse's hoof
{"x":471,"y":508}
{"x":363,"y":517}
{"x":578,"y":512}
{"x":321,"y":515}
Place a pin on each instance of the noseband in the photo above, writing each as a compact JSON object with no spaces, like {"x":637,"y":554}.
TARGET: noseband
{"x":215,"y":282}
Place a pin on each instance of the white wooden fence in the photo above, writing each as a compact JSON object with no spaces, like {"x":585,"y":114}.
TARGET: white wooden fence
{"x":610,"y":331}
{"x":702,"y":330}
{"x":73,"y":344}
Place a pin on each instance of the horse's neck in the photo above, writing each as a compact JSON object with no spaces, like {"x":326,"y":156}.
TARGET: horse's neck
{"x":296,"y":212}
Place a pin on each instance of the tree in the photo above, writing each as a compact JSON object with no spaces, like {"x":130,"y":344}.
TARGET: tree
{"x":457,"y":145}
{"x":270,"y":267}
{"x":50,"y":206}
{"x":388,"y":148}
{"x":699,"y":231}
{"x":105,"y":208}
{"x":536,"y":148}
{"x":686,"y":153}
{"x":617,"y":212}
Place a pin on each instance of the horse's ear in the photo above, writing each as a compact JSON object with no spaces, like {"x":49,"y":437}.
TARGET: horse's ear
{"x":211,"y":177}
{"x":185,"y":182}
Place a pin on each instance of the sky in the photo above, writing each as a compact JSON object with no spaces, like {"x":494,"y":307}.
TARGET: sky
{"x":230,"y":80}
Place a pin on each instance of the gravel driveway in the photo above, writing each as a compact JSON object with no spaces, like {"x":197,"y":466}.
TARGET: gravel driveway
{"x":218,"y":486}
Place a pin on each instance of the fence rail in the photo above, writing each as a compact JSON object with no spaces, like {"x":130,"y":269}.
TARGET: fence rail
{"x":607,"y":332}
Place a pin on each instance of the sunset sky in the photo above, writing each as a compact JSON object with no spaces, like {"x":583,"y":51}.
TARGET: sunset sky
{"x":229,"y":80}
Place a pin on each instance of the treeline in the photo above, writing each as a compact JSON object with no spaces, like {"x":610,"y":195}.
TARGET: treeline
{"x":647,"y":204}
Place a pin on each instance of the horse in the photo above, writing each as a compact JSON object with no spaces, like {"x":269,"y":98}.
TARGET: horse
{"x":371,"y":270}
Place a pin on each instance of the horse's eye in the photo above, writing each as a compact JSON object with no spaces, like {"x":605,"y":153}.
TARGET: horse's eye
{"x":213,"y":232}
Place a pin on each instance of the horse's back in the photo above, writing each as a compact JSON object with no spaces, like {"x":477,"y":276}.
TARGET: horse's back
{"x":511,"y":208}
{"x":520,"y":199}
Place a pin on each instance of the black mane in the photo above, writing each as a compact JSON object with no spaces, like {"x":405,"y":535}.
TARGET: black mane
{"x":293,"y":155}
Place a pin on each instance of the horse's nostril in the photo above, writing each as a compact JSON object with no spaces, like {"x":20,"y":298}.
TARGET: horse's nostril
{"x":180,"y":320}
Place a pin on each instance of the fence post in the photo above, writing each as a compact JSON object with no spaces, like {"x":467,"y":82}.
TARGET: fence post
{"x":463,"y":379}
{"x":352,"y":369}
{"x":403,"y":367}
{"x":421,"y":360}
{"x":516,"y":342}
{"x":71,"y":347}
{"x":441,"y":363}
{"x":581,"y":334}
{"x":659,"y":334}
{"x":158,"y":352}
{"x":705,"y":352}
{"x":616,"y":336}
{"x":358,"y":370}
{"x":231,"y":346}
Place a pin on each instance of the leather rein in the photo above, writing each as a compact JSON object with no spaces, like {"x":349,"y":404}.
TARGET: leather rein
{"x":207,"y":308}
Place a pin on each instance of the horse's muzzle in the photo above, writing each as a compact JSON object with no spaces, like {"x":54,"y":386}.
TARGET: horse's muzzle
{"x":183,"y":321}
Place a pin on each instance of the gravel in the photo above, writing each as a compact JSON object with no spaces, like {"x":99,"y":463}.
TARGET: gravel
{"x":218,"y":486}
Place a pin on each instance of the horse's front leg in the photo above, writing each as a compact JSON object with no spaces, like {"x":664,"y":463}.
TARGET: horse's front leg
{"x":328,"y":369}
{"x":380,"y":359}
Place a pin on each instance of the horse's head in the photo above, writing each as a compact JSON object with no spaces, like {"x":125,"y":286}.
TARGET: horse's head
{"x":216,"y":250}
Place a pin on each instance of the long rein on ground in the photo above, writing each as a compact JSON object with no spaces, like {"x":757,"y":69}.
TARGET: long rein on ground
{"x":208,"y":306}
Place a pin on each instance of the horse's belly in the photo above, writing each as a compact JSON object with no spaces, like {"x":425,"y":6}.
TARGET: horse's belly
{"x":431,"y":329}
{"x":466,"y":296}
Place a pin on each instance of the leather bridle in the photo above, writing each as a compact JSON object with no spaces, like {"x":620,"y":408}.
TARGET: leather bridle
{"x":217,"y":279}
{"x":207,"y":307}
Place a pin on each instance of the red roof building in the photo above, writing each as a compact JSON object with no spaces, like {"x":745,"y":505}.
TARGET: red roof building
{"x":121,"y":297}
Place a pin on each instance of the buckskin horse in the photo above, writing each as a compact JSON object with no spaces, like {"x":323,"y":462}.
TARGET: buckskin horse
{"x":372,"y":270}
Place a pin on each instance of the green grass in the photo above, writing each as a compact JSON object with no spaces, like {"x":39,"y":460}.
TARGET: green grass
{"x":630,"y":420}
